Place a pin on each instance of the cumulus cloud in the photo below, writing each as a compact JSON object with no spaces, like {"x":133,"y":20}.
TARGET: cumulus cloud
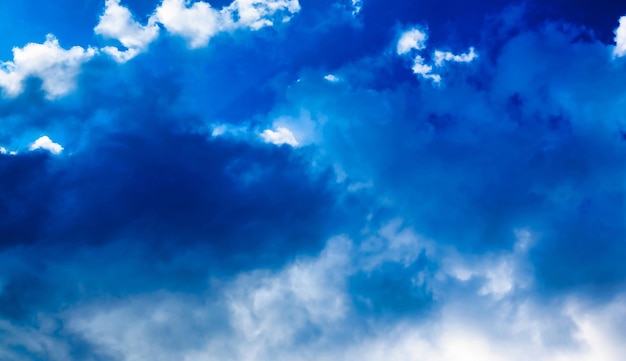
{"x":620,"y":38}
{"x":56,"y":67}
{"x":45,"y":143}
{"x":118,"y":23}
{"x":412,"y":39}
{"x":196,"y":23}
{"x":279,"y":136}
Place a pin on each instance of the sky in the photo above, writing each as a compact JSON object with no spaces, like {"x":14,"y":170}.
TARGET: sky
{"x":268,"y":180}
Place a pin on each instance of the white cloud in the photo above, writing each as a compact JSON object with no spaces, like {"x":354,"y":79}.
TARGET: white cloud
{"x":309,"y":290}
{"x":196,"y":23}
{"x":256,"y":14}
{"x":413,"y":39}
{"x":282,"y":135}
{"x":117,"y":23}
{"x":443,"y":56}
{"x":303,"y":311}
{"x":357,"y":5}
{"x":620,"y":38}
{"x":3,"y":150}
{"x":56,"y":67}
{"x":420,"y":68}
{"x":331,"y":78}
{"x":46,"y":143}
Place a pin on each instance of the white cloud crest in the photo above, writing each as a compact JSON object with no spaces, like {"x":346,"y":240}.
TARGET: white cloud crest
{"x":57,"y":68}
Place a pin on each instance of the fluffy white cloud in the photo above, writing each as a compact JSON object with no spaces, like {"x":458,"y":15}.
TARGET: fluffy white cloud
{"x":3,"y":150}
{"x":620,"y":38}
{"x":56,"y":67}
{"x":46,"y":143}
{"x":443,"y":56}
{"x":280,"y":136}
{"x":412,"y":39}
{"x":424,"y":70}
{"x":117,"y":23}
{"x":196,"y":23}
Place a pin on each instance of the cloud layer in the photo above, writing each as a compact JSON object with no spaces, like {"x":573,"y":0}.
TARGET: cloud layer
{"x":298,"y":193}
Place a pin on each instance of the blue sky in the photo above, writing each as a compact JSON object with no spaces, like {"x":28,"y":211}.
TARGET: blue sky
{"x":312,"y":180}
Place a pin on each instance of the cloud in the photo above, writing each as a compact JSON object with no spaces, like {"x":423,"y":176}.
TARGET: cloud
{"x":196,"y":23}
{"x":117,"y":23}
{"x":357,"y":5}
{"x":45,"y":143}
{"x":424,"y":70}
{"x":480,"y":220}
{"x":56,"y":67}
{"x":412,"y":39}
{"x":444,"y":56}
{"x":280,"y":136}
{"x":257,"y":14}
{"x":331,"y":78}
{"x":620,"y":38}
{"x":307,"y":309}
